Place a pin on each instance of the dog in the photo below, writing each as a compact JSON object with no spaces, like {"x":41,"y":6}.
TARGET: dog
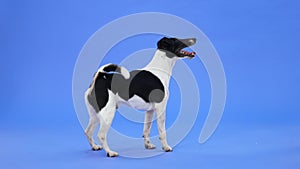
{"x":144,"y":89}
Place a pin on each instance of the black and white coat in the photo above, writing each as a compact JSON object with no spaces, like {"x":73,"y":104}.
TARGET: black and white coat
{"x":143,"y":89}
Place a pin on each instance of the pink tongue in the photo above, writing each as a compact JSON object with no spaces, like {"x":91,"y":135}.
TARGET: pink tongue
{"x":189,"y":53}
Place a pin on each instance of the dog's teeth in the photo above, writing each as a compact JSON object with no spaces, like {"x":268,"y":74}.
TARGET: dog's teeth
{"x":187,"y":53}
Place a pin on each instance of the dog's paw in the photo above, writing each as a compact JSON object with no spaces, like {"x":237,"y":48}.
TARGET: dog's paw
{"x":167,"y":149}
{"x":149,"y":146}
{"x":112,"y":154}
{"x":96,"y":148}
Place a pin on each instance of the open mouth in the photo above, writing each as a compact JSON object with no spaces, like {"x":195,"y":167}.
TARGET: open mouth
{"x":186,"y":53}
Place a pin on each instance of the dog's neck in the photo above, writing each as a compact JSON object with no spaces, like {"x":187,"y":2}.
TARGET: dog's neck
{"x":161,"y":65}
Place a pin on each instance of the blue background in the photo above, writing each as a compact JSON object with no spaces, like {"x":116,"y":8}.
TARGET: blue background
{"x":257,"y":42}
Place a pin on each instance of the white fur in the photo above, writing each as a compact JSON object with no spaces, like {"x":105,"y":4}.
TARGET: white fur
{"x":161,"y":66}
{"x":125,"y":72}
{"x":138,"y":103}
{"x":93,"y":122}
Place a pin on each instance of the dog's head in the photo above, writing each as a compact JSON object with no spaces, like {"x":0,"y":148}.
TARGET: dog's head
{"x":174,"y":47}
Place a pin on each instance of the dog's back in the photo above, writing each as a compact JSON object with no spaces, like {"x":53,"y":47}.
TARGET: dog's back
{"x":141,"y":83}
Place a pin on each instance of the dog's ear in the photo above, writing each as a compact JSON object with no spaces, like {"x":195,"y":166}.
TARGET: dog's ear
{"x":163,"y":43}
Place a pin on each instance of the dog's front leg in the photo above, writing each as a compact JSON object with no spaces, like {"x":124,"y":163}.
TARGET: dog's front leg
{"x":161,"y":123}
{"x":147,"y":127}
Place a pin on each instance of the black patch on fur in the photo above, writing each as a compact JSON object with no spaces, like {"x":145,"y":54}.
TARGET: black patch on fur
{"x":172,"y":46}
{"x":147,"y":86}
{"x":141,"y":83}
{"x":92,"y":100}
{"x":101,"y":92}
{"x":112,"y":68}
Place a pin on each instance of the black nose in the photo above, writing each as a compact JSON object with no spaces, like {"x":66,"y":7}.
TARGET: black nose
{"x":188,"y":41}
{"x":192,"y":41}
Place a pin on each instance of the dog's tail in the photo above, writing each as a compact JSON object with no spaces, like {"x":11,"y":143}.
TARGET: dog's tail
{"x":114,"y":68}
{"x":109,"y":68}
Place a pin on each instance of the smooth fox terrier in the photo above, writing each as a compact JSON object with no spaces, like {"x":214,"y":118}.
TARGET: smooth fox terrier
{"x":143,"y":89}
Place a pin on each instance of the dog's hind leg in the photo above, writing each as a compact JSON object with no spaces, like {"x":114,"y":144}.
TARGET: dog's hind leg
{"x":89,"y":131}
{"x":147,"y":127}
{"x":93,"y":122}
{"x":106,"y":116}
